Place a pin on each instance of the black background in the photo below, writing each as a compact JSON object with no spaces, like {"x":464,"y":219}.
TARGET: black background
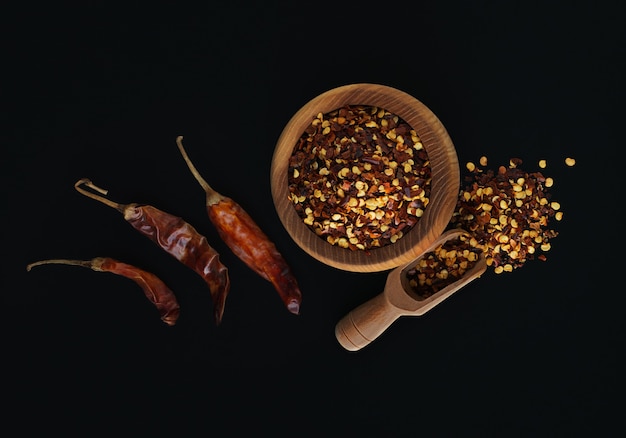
{"x":101,"y":92}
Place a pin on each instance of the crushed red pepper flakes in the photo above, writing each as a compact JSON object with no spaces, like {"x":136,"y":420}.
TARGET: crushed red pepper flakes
{"x":442,"y":266}
{"x":507,"y":213}
{"x":359,"y":177}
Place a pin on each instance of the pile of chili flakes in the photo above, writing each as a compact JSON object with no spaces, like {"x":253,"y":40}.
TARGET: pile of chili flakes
{"x":508,"y":214}
{"x":442,"y":266}
{"x":359,"y":177}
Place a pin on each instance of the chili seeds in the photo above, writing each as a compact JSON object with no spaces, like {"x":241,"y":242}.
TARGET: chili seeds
{"x":442,"y":266}
{"x":508,"y":213}
{"x":359,"y":177}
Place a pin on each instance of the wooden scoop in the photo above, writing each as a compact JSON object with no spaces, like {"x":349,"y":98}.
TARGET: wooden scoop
{"x":366,"y":322}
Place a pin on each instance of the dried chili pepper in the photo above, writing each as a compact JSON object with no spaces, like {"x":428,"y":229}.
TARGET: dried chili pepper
{"x":176,"y":237}
{"x":247,"y":241}
{"x":153,"y":287}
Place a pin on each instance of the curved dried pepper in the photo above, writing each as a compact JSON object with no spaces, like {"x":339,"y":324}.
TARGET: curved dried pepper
{"x":247,"y":241}
{"x":155,"y":290}
{"x":178,"y":238}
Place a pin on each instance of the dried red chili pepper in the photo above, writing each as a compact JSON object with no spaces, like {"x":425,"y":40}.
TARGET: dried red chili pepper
{"x":153,"y":287}
{"x":247,"y":241}
{"x":178,"y":238}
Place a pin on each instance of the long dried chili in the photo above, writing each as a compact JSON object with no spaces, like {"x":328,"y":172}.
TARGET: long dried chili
{"x":178,"y":238}
{"x":153,"y":287}
{"x":247,"y":241}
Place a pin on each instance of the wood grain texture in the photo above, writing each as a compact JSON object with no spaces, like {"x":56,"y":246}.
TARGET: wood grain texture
{"x":445,"y":182}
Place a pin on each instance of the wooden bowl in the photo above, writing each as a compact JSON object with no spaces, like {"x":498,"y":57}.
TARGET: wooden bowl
{"x":445,"y":183}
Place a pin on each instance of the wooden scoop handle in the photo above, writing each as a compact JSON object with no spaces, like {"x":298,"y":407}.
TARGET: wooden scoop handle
{"x":366,"y":322}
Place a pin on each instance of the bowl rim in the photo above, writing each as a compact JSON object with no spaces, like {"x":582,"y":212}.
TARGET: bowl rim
{"x":445,"y":182}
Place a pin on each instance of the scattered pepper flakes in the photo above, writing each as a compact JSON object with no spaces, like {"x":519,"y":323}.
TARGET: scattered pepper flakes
{"x":514,"y":162}
{"x":570,"y":161}
{"x":507,"y":214}
{"x":543,"y":164}
{"x":483,"y":161}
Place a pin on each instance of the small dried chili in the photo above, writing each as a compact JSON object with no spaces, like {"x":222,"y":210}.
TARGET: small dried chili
{"x":176,"y":237}
{"x":247,"y":241}
{"x":153,"y":287}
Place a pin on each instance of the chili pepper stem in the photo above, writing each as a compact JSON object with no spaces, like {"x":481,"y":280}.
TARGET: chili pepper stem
{"x":212,"y":197}
{"x":87,"y":182}
{"x":83,"y":263}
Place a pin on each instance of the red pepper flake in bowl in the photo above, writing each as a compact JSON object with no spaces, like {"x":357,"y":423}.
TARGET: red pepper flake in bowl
{"x":359,"y":177}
